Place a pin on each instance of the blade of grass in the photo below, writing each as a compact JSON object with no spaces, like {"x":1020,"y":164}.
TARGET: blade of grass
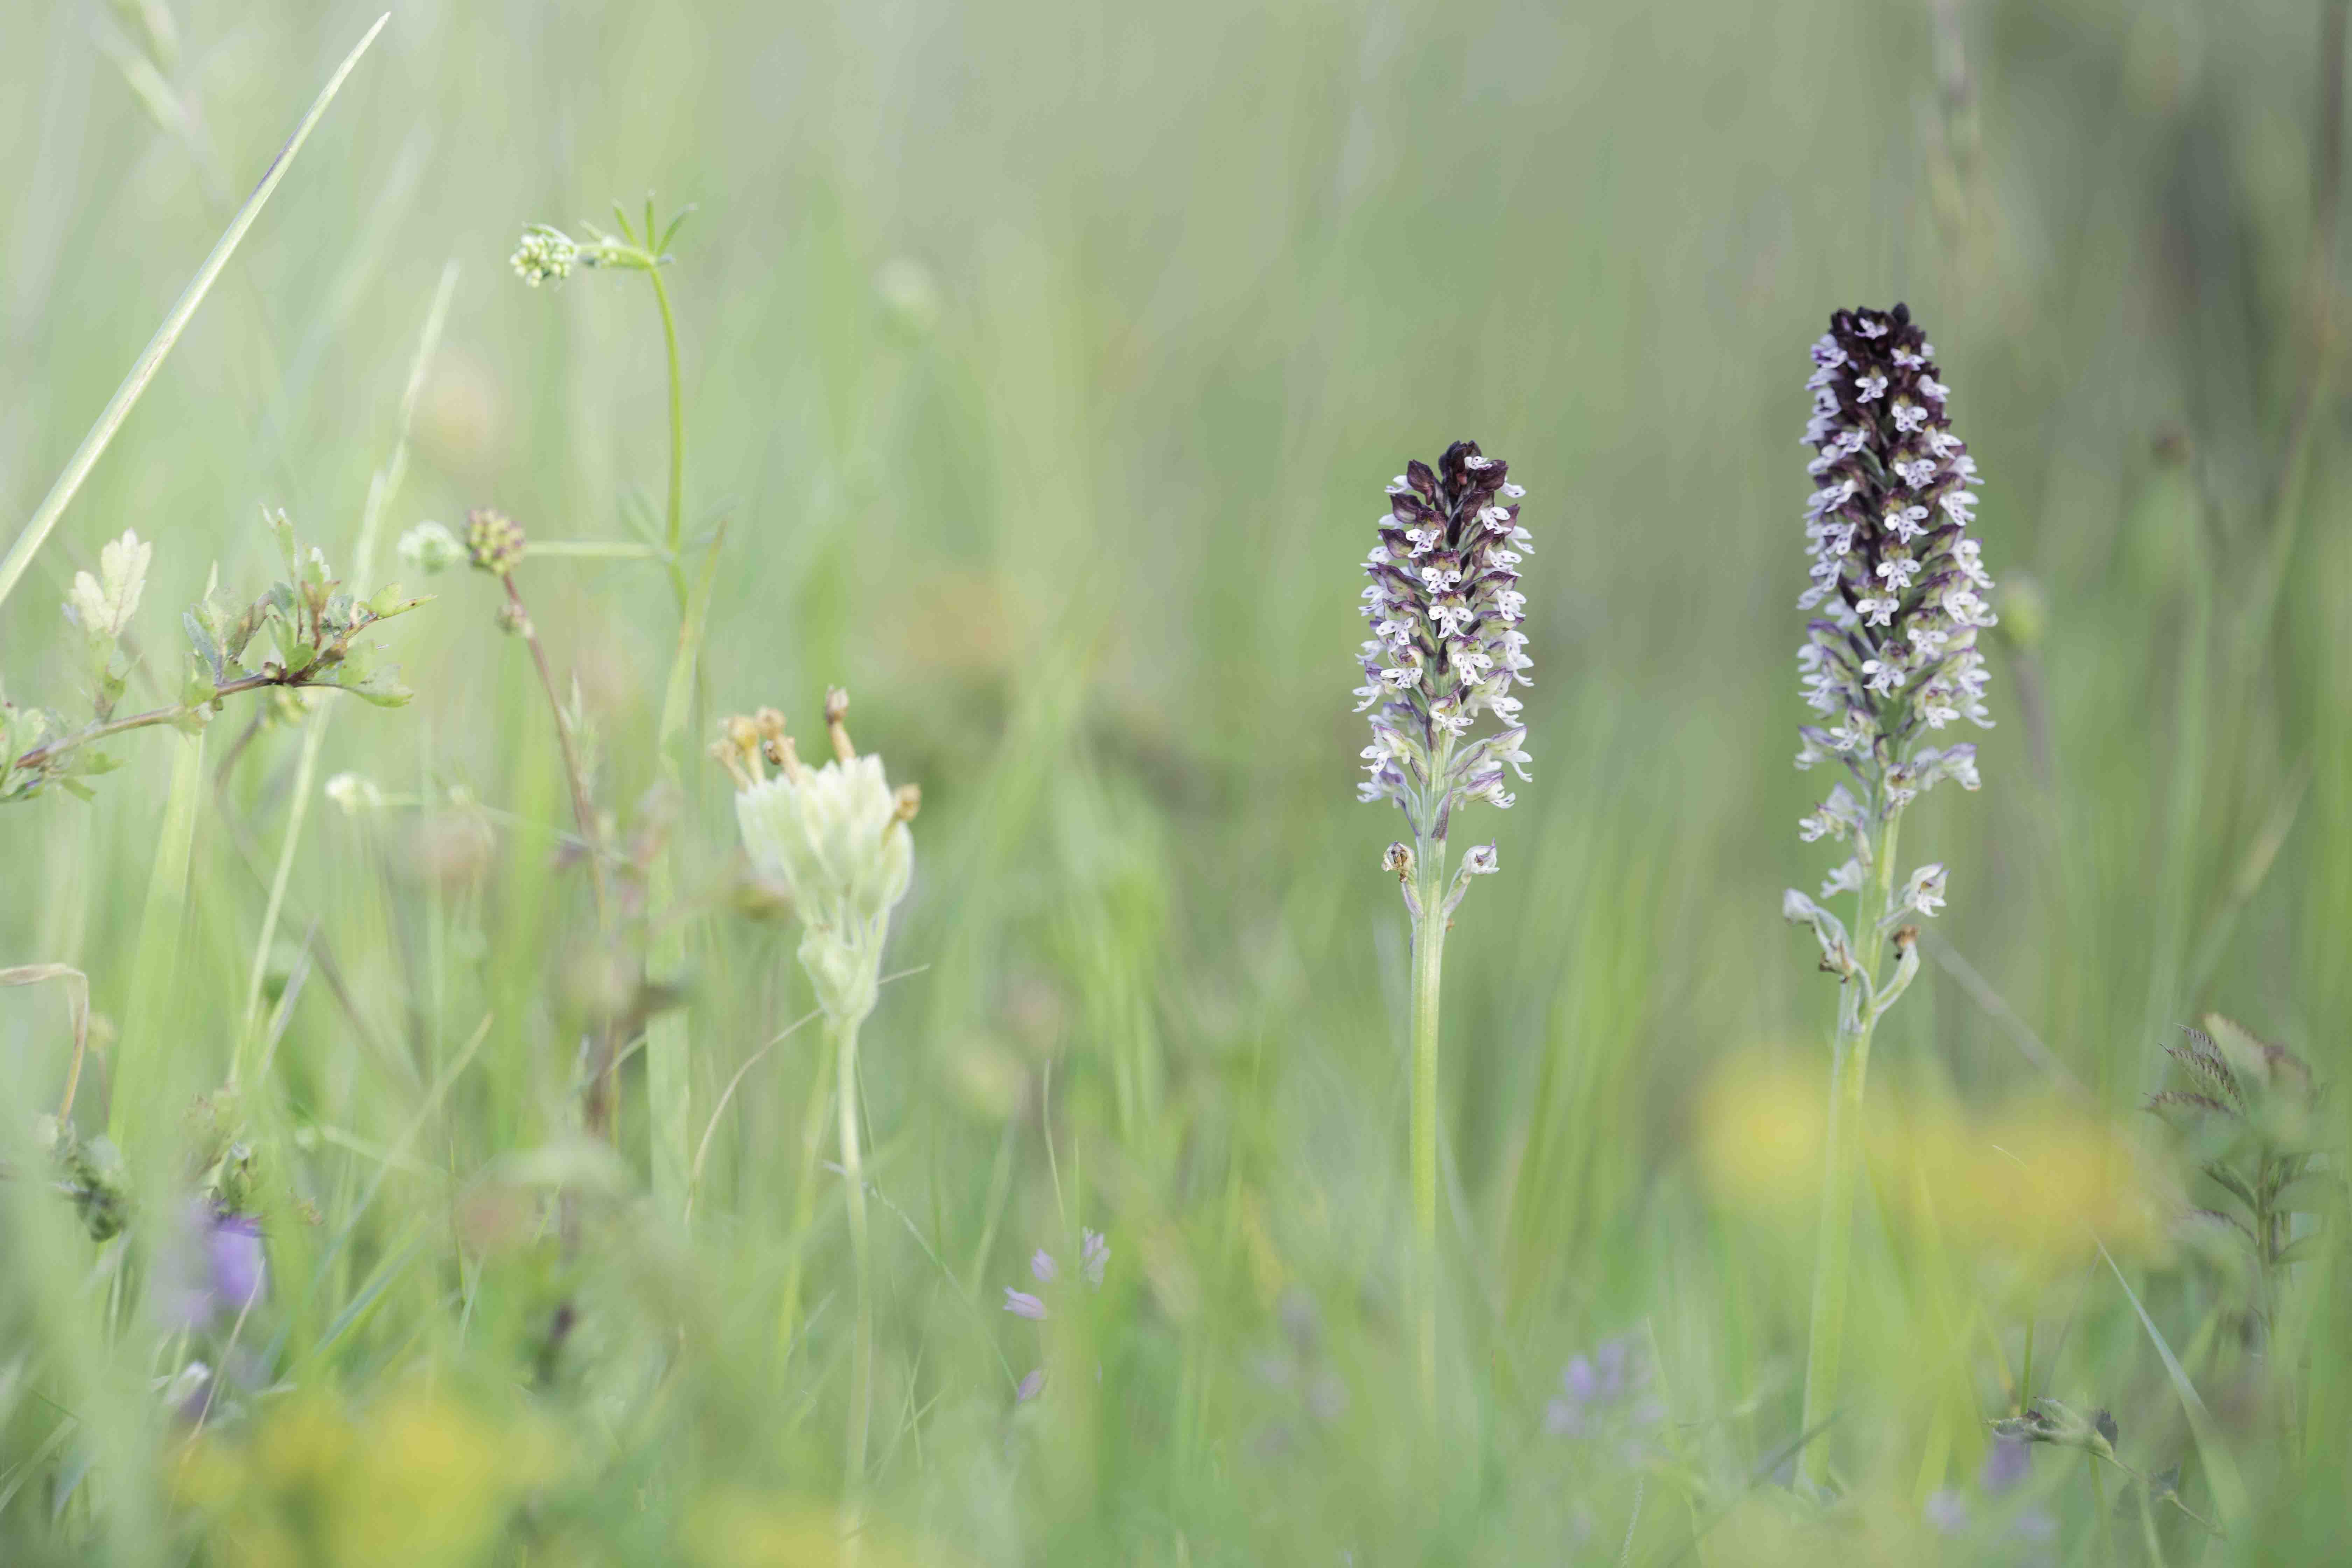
{"x":2220,"y":1471}
{"x":156,"y":960}
{"x":150,"y":359}
{"x":669,"y":1065}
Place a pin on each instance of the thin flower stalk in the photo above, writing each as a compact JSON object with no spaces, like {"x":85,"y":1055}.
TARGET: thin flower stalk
{"x":1889,"y":660}
{"x":835,"y":839}
{"x":547,"y":254}
{"x":1447,"y":650}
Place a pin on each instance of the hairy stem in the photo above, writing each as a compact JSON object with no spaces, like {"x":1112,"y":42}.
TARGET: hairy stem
{"x":1842,"y":1162}
{"x":1428,"y":964}
{"x":49,"y":751}
{"x":583,"y":810}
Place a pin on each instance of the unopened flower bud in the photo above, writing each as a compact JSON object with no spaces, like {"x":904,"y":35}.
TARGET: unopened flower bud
{"x":512,"y":620}
{"x":353,"y":795}
{"x":494,"y":541}
{"x":545,"y":255}
{"x":429,"y":549}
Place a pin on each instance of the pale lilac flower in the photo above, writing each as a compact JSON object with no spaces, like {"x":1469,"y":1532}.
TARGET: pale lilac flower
{"x":1094,"y":1255}
{"x":1605,"y":1394}
{"x":1021,"y":1304}
{"x":1041,"y":1264}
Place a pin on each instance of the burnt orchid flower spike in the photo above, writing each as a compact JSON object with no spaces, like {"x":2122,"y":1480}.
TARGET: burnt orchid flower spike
{"x":1889,"y":661}
{"x":1447,"y":654}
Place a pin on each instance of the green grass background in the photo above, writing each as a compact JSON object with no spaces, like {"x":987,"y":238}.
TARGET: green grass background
{"x":1084,"y":548}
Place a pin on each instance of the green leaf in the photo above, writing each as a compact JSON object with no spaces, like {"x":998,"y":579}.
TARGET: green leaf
{"x":2302,"y":1248}
{"x":2231,"y":1182}
{"x":282,"y":528}
{"x":199,"y":683}
{"x":205,"y":638}
{"x":388,"y":603}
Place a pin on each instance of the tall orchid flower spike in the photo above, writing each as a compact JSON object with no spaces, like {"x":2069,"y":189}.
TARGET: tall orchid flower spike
{"x":1447,"y":652}
{"x":1889,"y":662}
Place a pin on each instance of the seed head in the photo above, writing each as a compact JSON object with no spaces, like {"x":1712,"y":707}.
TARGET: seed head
{"x":1446,"y":646}
{"x":494,"y":541}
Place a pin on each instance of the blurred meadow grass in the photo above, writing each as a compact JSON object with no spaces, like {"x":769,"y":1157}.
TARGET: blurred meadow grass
{"x":1045,"y":365}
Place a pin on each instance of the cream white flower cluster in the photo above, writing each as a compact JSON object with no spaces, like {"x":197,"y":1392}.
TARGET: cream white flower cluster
{"x":834,"y":838}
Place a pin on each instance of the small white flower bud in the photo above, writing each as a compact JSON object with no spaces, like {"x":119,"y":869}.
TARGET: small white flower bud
{"x":353,"y":795}
{"x":430,"y":549}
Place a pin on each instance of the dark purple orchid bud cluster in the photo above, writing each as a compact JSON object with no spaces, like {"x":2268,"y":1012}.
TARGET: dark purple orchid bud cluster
{"x":1894,"y":571}
{"x":1446,"y":646}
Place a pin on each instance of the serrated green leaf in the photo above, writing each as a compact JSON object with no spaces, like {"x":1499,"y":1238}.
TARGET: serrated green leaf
{"x":2230,"y":1182}
{"x":2302,"y":1248}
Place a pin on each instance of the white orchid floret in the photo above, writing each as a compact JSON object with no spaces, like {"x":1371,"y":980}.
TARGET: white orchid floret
{"x":1846,"y":879}
{"x":1925,"y":889}
{"x":102,"y":606}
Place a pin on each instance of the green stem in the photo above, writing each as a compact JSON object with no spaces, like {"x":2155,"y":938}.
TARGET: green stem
{"x":1428,"y":966}
{"x":676,"y":519}
{"x":155,"y":968}
{"x":1842,"y":1164}
{"x":853,"y":1174}
{"x":805,"y":1195}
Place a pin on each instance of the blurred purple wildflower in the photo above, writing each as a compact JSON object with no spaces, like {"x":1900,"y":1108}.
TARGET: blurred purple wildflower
{"x":1094,"y":1254}
{"x":1947,"y":1511}
{"x":213,"y":1266}
{"x":1605,"y":1391}
{"x":2010,"y":1462}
